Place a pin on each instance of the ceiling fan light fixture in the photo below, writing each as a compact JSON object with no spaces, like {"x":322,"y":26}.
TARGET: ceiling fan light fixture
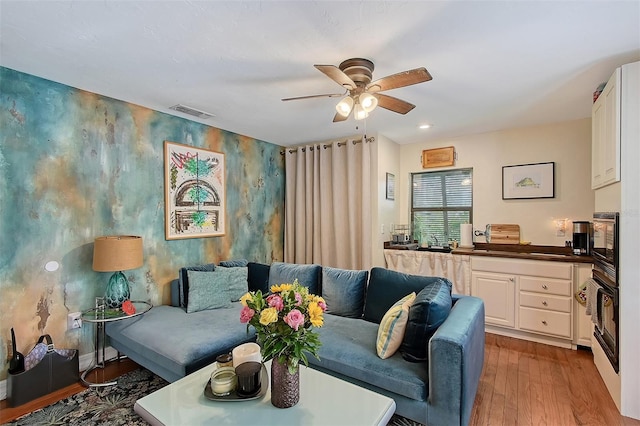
{"x":368,"y":102}
{"x":359,"y":112}
{"x":344,"y":106}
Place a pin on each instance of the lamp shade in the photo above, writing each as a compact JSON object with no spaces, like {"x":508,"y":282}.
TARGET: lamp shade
{"x":344,"y":106}
{"x":117,"y":253}
{"x":368,"y":102}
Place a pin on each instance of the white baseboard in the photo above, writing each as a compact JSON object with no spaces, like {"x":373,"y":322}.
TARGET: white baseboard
{"x":84,"y":362}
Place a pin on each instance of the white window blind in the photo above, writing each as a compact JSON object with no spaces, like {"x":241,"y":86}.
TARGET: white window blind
{"x":440,"y":202}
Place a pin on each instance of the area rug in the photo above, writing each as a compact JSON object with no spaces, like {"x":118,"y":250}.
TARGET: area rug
{"x":112,"y":405}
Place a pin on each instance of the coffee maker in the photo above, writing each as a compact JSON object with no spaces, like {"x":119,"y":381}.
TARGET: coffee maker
{"x":582,"y":238}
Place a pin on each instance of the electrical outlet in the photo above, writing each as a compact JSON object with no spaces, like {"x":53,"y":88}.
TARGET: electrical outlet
{"x":74,"y":320}
{"x":382,"y":228}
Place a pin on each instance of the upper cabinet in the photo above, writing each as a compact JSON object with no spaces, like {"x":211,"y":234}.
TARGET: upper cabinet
{"x":605,"y":134}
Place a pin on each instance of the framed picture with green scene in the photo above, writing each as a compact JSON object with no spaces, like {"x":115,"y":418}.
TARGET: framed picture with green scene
{"x":528,"y":181}
{"x":194,"y":192}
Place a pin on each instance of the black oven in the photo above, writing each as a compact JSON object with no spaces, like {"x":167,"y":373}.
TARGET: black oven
{"x":605,"y":274}
{"x":605,"y":244}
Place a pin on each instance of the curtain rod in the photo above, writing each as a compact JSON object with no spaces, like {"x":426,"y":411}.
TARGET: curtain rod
{"x":370,"y":139}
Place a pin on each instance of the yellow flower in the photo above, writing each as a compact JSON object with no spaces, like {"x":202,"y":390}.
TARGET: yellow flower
{"x":280,"y":288}
{"x":268,"y":316}
{"x":318,"y":299}
{"x":315,"y":314}
{"x":243,"y":299}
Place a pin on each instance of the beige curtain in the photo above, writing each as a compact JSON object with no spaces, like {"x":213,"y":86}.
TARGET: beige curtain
{"x":328,"y":204}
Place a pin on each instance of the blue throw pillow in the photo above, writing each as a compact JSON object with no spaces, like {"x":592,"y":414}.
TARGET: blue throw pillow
{"x":343,"y":291}
{"x":207,"y":290}
{"x":430,"y":309}
{"x":236,"y":279}
{"x":183,"y":278}
{"x":258,"y":277}
{"x":285,"y":273}
{"x":387,"y":287}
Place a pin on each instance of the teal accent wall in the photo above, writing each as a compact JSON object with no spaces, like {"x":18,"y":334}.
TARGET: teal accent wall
{"x":75,"y":165}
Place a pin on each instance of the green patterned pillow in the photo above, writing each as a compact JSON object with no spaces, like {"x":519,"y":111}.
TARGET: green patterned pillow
{"x":391,"y":329}
{"x":207,"y":290}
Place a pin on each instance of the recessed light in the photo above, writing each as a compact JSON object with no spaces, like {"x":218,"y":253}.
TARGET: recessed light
{"x":424,"y":126}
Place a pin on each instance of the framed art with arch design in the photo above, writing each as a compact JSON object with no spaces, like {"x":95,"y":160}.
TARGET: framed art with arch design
{"x":194,"y":192}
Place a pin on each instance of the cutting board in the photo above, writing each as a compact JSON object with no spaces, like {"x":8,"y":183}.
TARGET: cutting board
{"x":501,"y":233}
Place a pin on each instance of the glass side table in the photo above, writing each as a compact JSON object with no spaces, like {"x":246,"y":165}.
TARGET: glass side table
{"x":99,"y":316}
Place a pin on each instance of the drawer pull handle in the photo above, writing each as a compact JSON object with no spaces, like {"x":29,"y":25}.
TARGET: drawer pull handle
{"x":544,"y":322}
{"x":544,"y":302}
{"x":545,"y":286}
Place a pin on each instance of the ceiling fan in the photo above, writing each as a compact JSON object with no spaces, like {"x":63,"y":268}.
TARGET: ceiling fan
{"x":362,"y":94}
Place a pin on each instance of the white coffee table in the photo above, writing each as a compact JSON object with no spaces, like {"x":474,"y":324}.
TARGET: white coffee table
{"x":324,"y":400}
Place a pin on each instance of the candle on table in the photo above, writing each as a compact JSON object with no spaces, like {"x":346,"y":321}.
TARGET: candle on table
{"x":245,"y":353}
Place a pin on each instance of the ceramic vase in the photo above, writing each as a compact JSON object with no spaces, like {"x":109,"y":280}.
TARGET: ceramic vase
{"x":285,"y":387}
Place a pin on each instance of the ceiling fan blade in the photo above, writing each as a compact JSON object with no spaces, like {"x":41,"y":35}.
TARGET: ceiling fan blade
{"x":339,"y":117}
{"x":336,"y":74}
{"x":328,"y":95}
{"x":401,"y":79}
{"x":394,"y":104}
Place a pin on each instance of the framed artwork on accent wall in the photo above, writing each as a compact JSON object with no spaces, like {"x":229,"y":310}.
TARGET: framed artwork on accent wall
{"x":528,"y":181}
{"x":391,"y":186}
{"x":194,"y":192}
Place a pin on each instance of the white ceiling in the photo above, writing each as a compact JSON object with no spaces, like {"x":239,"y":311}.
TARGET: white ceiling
{"x":495,"y":64}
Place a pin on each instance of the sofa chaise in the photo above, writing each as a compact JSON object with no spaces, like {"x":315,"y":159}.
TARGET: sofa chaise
{"x":433,"y":376}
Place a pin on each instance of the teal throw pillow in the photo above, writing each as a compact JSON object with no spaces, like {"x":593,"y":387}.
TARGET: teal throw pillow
{"x":343,"y":291}
{"x":236,"y":279}
{"x":207,"y":291}
{"x":233,"y":263}
{"x":430,"y":309}
{"x":183,"y":280}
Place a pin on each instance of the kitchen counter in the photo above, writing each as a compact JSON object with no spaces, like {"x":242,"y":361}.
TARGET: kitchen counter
{"x":555,"y":257}
{"x":513,"y":251}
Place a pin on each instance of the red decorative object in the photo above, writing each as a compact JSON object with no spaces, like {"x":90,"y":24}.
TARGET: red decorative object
{"x":128,"y":307}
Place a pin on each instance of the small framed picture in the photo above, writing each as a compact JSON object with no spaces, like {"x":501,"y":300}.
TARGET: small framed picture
{"x":438,"y":157}
{"x":391,"y":187}
{"x":528,"y":181}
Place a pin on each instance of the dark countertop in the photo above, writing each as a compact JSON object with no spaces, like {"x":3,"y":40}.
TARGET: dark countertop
{"x":516,"y":251}
{"x":529,"y":256}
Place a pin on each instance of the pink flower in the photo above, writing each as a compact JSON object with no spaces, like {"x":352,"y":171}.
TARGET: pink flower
{"x":246,"y":314}
{"x":275,"y":301}
{"x":322,"y":305}
{"x":298,"y":299}
{"x":294,"y":319}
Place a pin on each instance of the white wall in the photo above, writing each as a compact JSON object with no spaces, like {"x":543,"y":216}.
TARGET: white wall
{"x":388,"y":161}
{"x":568,"y":144}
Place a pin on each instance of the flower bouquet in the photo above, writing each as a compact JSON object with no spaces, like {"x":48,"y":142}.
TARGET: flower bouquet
{"x":284,"y":321}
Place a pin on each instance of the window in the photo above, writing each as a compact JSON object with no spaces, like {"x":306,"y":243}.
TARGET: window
{"x":440,"y":203}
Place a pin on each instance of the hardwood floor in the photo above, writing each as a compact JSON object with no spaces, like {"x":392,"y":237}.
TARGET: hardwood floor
{"x":523,"y":383}
{"x":527,"y":383}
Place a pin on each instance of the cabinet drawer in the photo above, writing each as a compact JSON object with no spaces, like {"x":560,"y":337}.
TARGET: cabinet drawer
{"x":546,"y":322}
{"x":546,"y":301}
{"x":546,"y":285}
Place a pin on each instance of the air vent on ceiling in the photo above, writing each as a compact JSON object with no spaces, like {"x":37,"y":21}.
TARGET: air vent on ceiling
{"x":191,"y":111}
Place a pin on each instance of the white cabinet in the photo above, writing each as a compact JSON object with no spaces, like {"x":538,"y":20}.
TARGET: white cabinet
{"x":545,"y":306}
{"x":527,"y":299}
{"x":605,"y":134}
{"x":498,"y":293}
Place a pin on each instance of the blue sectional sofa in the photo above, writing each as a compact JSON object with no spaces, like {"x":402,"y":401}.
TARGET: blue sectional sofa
{"x":433,"y":377}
